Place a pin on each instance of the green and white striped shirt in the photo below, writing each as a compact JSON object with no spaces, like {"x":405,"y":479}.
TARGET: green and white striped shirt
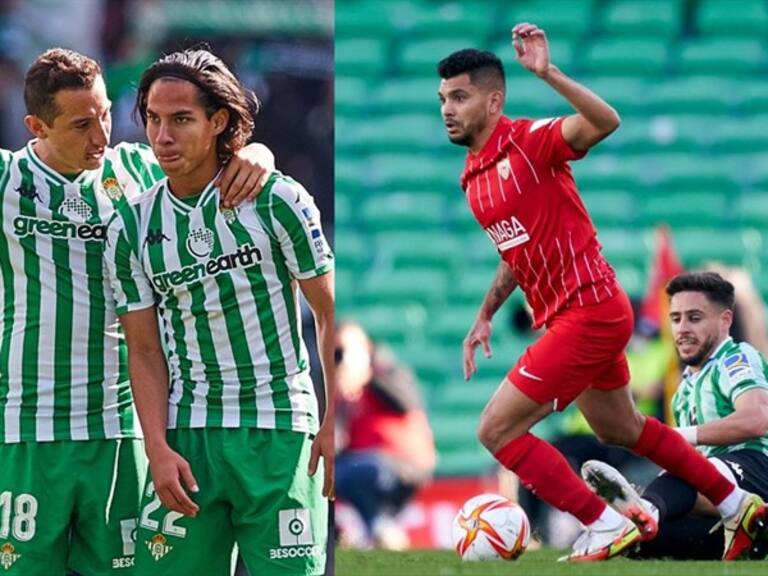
{"x":710,"y":394}
{"x":222,"y":281}
{"x":63,"y":373}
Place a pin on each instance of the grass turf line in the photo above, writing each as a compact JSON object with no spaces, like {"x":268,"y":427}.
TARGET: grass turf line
{"x":532,"y":563}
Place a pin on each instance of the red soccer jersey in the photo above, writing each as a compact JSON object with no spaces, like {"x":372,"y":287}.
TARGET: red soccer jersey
{"x":521,"y":191}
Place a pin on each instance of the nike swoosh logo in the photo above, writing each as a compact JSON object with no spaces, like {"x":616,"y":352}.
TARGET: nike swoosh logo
{"x":527,"y":374}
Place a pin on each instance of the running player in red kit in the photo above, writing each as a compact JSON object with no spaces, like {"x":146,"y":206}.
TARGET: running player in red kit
{"x":519,"y":186}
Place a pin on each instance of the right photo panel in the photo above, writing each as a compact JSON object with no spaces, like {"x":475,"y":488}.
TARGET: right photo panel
{"x":551,"y":230}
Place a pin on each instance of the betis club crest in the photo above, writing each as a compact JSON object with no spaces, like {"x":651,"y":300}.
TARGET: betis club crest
{"x":112,"y":189}
{"x":8,"y":555}
{"x":158,"y":546}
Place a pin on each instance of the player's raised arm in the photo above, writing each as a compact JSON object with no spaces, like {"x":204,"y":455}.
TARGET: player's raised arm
{"x":504,"y":284}
{"x":595,"y":118}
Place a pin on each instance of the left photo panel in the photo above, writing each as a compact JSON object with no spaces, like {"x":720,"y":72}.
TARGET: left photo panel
{"x":166,"y":288}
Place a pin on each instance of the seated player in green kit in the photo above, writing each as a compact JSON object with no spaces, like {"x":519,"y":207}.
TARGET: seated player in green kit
{"x":231,"y":425}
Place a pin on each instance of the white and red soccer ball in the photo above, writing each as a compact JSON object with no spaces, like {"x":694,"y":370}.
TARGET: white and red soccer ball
{"x":490,"y":527}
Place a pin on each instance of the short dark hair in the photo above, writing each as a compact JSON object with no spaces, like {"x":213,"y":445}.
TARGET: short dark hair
{"x":217,"y":88}
{"x":484,"y":68}
{"x":716,"y":288}
{"x":54,"y":70}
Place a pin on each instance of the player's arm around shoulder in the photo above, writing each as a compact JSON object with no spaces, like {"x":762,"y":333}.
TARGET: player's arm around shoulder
{"x":595,"y":119}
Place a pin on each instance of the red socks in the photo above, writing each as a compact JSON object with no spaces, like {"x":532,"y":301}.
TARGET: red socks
{"x":546,"y":472}
{"x":669,"y":450}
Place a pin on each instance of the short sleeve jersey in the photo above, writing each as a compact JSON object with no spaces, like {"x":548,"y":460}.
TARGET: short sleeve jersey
{"x":521,"y":191}
{"x":711,"y":393}
{"x":223,"y":284}
{"x":63,"y":371}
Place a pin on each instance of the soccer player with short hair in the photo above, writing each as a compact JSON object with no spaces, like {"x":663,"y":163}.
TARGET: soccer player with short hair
{"x":720,"y":406}
{"x":236,"y":428}
{"x":519,"y":186}
{"x":71,"y":469}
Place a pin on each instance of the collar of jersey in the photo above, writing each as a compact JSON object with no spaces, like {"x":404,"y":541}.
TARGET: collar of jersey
{"x":719,"y":351}
{"x":202,"y":199}
{"x":85,"y":177}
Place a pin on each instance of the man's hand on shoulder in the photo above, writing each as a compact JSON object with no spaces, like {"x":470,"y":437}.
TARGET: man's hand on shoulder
{"x":245,"y":175}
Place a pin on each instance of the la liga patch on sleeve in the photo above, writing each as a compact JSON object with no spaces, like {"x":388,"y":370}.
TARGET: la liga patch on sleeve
{"x":738,"y":368}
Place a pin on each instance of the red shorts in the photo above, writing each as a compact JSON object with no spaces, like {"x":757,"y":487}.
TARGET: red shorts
{"x":582,"y":348}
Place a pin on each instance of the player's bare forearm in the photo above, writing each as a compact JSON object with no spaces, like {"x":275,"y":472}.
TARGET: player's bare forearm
{"x":319,"y":292}
{"x":748,"y":421}
{"x":149,"y":376}
{"x":503,"y":285}
{"x":595,"y":118}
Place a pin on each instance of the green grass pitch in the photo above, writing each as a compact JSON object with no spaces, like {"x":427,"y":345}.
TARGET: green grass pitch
{"x":532,"y":563}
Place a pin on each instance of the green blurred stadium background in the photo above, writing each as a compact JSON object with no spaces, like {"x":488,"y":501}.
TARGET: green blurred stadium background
{"x":687,"y":77}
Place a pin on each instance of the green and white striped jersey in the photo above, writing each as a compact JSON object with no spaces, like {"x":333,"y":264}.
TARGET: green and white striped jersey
{"x":222,"y":281}
{"x":63,"y":372}
{"x":710,"y":394}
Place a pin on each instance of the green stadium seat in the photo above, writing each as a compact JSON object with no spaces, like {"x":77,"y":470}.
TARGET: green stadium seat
{"x":627,"y":94}
{"x":403,"y":211}
{"x":420,"y":57}
{"x":527,"y":96}
{"x":350,"y":175}
{"x":391,"y":324}
{"x":753,"y":97}
{"x":699,"y":208}
{"x":626,"y":56}
{"x":346,"y":292}
{"x":449,"y":325}
{"x":352,"y":250}
{"x":611,"y":207}
{"x":434,"y":250}
{"x":625,"y":247}
{"x":405,"y":95}
{"x":752,"y":209}
{"x":350,"y":96}
{"x":693,"y":95}
{"x":375,"y":18}
{"x":632,"y":279}
{"x":466,"y":462}
{"x":416,"y":172}
{"x":608,"y":172}
{"x":400,"y":287}
{"x":684,"y":172}
{"x":362,"y":57}
{"x":747,"y":135}
{"x":399,"y":133}
{"x":433,"y":365}
{"x":721,"y":56}
{"x":461,"y":396}
{"x":661,"y":18}
{"x":735,"y":19}
{"x":558,"y":18}
{"x":451,"y":19}
{"x":456,"y":430}
{"x":757,"y":168}
{"x":342,"y":210}
{"x":696,"y":246}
